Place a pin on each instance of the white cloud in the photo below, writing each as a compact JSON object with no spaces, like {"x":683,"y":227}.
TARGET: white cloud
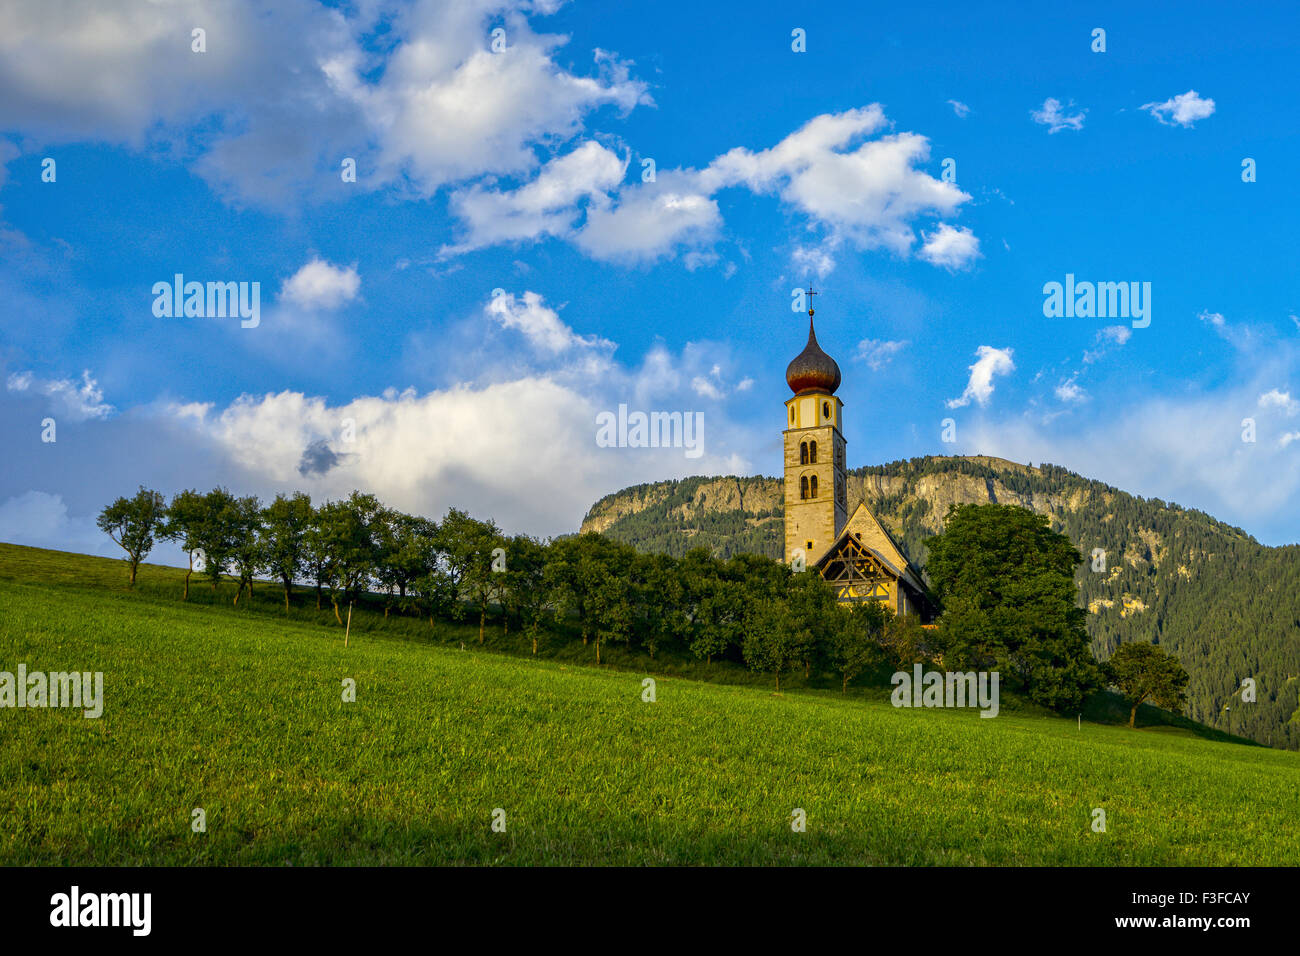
{"x":1276,"y":398}
{"x":1111,"y":335}
{"x":69,"y":399}
{"x":548,"y":205}
{"x":950,"y":247}
{"x":649,"y":221}
{"x":428,"y":105}
{"x":713,"y":386}
{"x":868,"y":195}
{"x":960,"y":108}
{"x":540,"y":324}
{"x":817,"y":259}
{"x":877,"y":353}
{"x":1182,"y":110}
{"x":319,"y":285}
{"x":989,"y":362}
{"x":1052,"y":115}
{"x":1287,"y":438}
{"x":1070,"y":392}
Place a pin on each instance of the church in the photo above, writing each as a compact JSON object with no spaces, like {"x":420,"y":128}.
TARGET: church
{"x":855,"y":554}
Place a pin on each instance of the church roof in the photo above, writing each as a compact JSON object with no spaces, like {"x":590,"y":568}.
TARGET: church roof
{"x":872,"y":535}
{"x":812,"y":369}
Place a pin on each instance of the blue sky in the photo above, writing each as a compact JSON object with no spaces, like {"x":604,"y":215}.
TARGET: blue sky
{"x":521,"y":170}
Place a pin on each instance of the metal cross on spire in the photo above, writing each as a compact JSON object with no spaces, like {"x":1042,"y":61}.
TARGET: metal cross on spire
{"x":810,"y":293}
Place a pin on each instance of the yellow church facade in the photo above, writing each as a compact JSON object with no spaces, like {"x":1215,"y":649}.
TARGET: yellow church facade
{"x":855,"y":554}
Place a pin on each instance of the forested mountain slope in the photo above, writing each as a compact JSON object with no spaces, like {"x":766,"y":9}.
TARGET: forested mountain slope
{"x":1228,"y":606}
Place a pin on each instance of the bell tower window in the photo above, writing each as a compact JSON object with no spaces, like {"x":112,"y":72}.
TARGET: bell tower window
{"x":812,"y":453}
{"x":812,"y":487}
{"x":803,"y":486}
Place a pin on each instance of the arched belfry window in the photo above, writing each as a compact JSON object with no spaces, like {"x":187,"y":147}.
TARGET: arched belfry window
{"x":826,"y":409}
{"x":803,"y":486}
{"x":812,"y":487}
{"x":812,"y":453}
{"x":803,"y":453}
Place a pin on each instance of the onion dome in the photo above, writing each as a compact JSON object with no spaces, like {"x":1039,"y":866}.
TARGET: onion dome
{"x":812,"y":369}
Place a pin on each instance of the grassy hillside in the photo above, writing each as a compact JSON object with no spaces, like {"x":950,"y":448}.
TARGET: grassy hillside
{"x":1226,"y":605}
{"x":239,"y":711}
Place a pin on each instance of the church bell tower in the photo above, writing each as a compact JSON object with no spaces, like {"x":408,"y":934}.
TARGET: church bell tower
{"x":816,"y":498}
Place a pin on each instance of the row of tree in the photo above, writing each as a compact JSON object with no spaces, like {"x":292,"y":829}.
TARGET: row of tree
{"x":1005,"y":580}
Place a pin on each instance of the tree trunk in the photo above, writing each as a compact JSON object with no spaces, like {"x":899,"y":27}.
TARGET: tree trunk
{"x":807,"y":670}
{"x":597,"y":650}
{"x":778,"y":682}
{"x":844,"y":688}
{"x":1132,"y":714}
{"x":482,"y":616}
{"x":335,"y":602}
{"x":534,"y":645}
{"x":286,"y":597}
{"x":134,"y":565}
{"x":187,"y":579}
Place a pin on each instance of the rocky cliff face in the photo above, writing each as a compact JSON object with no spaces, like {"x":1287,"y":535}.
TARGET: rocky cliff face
{"x":687,"y":503}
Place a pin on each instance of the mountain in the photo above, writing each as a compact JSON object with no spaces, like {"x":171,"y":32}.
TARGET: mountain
{"x":1226,"y":605}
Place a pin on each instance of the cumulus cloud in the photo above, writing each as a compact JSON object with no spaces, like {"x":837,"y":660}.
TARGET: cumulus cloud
{"x":539,"y":323}
{"x":989,"y":362}
{"x":868,"y":195}
{"x":1276,"y":398}
{"x":416,"y":94}
{"x":877,"y":353}
{"x":650,"y":221}
{"x":1182,"y":110}
{"x":950,"y":247}
{"x":319,"y":285}
{"x":1053,"y":115}
{"x":548,"y":205}
{"x":75,"y":401}
{"x":816,"y":259}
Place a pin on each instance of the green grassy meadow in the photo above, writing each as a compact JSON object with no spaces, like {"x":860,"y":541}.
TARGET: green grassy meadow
{"x":239,"y":711}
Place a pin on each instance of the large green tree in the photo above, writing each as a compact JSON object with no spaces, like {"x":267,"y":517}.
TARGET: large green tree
{"x":287,"y":520}
{"x":134,"y":524}
{"x":857,"y":639}
{"x":774,"y":638}
{"x":1006,"y":583}
{"x":347,"y":530}
{"x":1143,"y":672}
{"x":248,"y":542}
